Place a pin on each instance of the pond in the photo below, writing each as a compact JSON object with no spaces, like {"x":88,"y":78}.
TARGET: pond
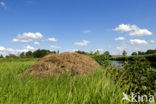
{"x":120,"y":63}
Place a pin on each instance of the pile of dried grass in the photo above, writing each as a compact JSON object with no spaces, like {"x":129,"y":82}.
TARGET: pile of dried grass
{"x":66,"y":62}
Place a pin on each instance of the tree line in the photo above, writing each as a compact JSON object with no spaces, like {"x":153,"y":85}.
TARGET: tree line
{"x":150,"y":51}
{"x":36,"y":54}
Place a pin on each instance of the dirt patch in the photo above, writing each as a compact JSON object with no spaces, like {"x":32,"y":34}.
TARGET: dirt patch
{"x":59,"y":63}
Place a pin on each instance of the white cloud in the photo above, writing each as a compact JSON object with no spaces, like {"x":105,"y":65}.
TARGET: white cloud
{"x":83,"y":43}
{"x":140,"y":32}
{"x":36,"y":43}
{"x":5,"y":51}
{"x":2,"y":4}
{"x":2,"y":48}
{"x":133,"y":29}
{"x":27,"y":37}
{"x":120,"y":38}
{"x":71,"y":50}
{"x":53,"y":46}
{"x":152,"y":41}
{"x":52,"y":39}
{"x":123,"y":28}
{"x":120,"y":48}
{"x":138,"y":41}
{"x":29,"y":47}
{"x":87,"y":31}
{"x":100,"y":50}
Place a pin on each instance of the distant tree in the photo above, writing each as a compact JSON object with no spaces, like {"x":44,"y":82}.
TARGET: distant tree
{"x":54,"y":52}
{"x":81,"y":52}
{"x":58,"y":51}
{"x":11,"y":56}
{"x":150,"y":51}
{"x":29,"y":54}
{"x":107,"y":53}
{"x":96,"y":53}
{"x":134,"y":54}
{"x":1,"y":56}
{"x":41,"y":53}
{"x":124,"y":53}
{"x":22,"y":55}
{"x":139,"y":52}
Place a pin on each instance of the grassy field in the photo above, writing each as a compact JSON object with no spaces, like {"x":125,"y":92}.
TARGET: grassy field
{"x":66,"y":89}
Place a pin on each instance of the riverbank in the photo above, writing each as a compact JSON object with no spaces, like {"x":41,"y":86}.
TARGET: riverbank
{"x":149,"y":57}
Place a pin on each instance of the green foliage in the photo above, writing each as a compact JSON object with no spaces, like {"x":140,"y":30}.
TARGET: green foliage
{"x":124,"y":53}
{"x":11,"y":56}
{"x":102,"y":59}
{"x":134,"y":54}
{"x":81,"y":52}
{"x":29,"y":54}
{"x":65,"y":89}
{"x":36,"y":54}
{"x":138,"y":76}
{"x":150,"y":51}
{"x":22,"y":55}
{"x":40,"y":53}
{"x":1,"y":56}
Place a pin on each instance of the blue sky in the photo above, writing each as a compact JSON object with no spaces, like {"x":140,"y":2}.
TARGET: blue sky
{"x":68,"y":25}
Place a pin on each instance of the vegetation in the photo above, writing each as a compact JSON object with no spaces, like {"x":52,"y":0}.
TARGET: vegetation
{"x":137,"y":75}
{"x":124,"y":53}
{"x":134,"y":54}
{"x":36,"y":54}
{"x":96,"y":88}
{"x":102,"y":87}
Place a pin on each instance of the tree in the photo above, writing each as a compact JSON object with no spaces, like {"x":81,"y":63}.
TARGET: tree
{"x":81,"y":52}
{"x":107,"y":54}
{"x":141,"y":53}
{"x":150,"y":51}
{"x":1,"y":56}
{"x":11,"y":56}
{"x":40,"y":53}
{"x":29,"y":54}
{"x":124,"y":53}
{"x":58,"y":51}
{"x":134,"y":54}
{"x":97,"y":53}
{"x":22,"y":55}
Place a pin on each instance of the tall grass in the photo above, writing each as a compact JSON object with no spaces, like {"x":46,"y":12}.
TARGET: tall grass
{"x":66,"y":89}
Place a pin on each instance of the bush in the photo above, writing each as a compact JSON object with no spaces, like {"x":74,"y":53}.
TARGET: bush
{"x":138,"y":76}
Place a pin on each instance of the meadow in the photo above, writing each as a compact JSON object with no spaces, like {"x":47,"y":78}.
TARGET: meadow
{"x":97,"y":88}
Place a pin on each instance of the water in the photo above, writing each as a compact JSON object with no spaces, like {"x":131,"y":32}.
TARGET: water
{"x":120,"y":63}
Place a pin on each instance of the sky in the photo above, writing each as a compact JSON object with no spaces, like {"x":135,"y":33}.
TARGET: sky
{"x":70,"y":25}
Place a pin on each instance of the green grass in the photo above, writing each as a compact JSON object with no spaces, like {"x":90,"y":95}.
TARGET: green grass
{"x":66,"y":89}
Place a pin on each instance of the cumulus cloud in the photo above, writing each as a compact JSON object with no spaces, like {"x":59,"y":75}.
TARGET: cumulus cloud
{"x":5,"y":51}
{"x":36,"y":43}
{"x":71,"y":50}
{"x":27,"y":37}
{"x":140,"y":32}
{"x":52,"y":39}
{"x":83,"y":43}
{"x":87,"y":31}
{"x":29,"y":47}
{"x":53,"y":46}
{"x":123,"y":28}
{"x":153,"y":41}
{"x":2,"y":4}
{"x":138,"y":41}
{"x":100,"y":50}
{"x":128,"y":48}
{"x":120,"y":38}
{"x":120,"y":48}
{"x":2,"y":48}
{"x":133,"y":29}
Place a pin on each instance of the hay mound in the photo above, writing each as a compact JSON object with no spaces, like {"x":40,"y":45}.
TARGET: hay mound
{"x":66,"y":62}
